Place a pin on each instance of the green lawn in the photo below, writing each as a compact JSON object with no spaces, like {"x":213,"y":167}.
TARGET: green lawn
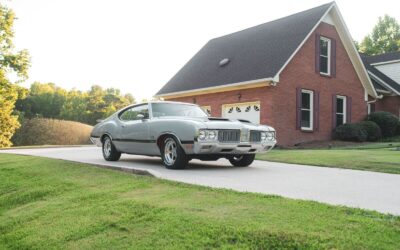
{"x":46,"y":203}
{"x":378,"y":157}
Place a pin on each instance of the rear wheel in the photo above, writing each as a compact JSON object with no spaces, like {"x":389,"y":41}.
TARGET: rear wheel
{"x":110,"y":153}
{"x":173,"y":155}
{"x":242,"y":160}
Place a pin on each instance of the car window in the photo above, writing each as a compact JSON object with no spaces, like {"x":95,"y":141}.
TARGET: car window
{"x":177,"y":109}
{"x":132,"y":113}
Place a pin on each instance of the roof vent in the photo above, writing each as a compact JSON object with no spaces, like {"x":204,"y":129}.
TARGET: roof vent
{"x":224,"y":62}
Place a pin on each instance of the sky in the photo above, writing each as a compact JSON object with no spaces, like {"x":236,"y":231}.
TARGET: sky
{"x":137,"y":46}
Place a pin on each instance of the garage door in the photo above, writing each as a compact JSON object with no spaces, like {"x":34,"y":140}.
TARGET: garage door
{"x":247,"y":111}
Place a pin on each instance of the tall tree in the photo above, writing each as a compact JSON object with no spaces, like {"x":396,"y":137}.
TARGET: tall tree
{"x":385,"y":37}
{"x":11,"y":62}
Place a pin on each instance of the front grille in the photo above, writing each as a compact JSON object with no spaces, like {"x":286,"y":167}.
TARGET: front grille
{"x":228,"y":135}
{"x":255,"y":136}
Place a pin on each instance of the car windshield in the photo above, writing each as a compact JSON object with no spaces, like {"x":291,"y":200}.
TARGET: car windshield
{"x":176,"y":109}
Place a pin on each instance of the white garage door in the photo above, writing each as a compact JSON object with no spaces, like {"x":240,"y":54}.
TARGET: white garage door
{"x":247,"y":111}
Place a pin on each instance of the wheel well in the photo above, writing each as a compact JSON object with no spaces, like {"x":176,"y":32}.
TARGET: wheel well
{"x":103,"y":137}
{"x":160,"y":139}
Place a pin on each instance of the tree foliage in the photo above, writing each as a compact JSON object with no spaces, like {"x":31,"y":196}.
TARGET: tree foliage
{"x":385,"y":37}
{"x":11,"y":62}
{"x":50,"y":101}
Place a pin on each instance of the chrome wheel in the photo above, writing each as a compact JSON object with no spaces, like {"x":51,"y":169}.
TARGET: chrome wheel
{"x":170,"y":153}
{"x":107,"y":147}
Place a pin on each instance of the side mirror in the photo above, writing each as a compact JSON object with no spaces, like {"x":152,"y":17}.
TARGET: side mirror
{"x":140,"y":117}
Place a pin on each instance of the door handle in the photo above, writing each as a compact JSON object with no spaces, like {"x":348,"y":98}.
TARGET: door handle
{"x":123,"y":125}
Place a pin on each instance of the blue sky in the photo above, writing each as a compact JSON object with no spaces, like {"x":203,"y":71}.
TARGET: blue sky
{"x":137,"y":46}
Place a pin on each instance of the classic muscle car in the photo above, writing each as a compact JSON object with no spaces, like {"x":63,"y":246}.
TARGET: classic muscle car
{"x":179,"y":132}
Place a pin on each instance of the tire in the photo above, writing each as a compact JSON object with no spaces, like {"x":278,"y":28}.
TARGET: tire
{"x":172,"y":154}
{"x":242,"y":160}
{"x":110,"y":153}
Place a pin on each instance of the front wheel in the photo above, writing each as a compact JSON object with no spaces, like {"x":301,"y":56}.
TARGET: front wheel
{"x":173,"y":155}
{"x":110,"y":153}
{"x":242,"y":160}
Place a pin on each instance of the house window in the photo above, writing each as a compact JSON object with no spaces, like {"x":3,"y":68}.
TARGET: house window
{"x":325,"y":56}
{"x":307,"y":104}
{"x":340,"y":110}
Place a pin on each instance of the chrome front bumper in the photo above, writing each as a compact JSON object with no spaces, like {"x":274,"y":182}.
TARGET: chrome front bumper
{"x":228,"y":148}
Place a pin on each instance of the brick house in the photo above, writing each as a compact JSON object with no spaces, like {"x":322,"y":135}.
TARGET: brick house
{"x":384,"y":72}
{"x":300,"y":74}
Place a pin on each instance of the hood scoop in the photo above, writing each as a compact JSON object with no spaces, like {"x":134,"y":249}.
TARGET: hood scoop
{"x":244,"y":121}
{"x":217,"y":119}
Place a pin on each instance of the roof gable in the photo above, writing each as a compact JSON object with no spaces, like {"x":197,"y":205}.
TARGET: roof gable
{"x":254,"y":53}
{"x":385,"y":82}
{"x":260,"y":53}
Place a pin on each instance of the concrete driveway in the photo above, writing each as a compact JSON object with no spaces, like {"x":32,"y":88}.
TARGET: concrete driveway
{"x":368,"y":190}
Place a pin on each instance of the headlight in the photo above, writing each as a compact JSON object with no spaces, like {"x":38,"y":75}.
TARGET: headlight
{"x":210,"y":135}
{"x":263,"y":136}
{"x":270,"y":136}
{"x":202,"y":135}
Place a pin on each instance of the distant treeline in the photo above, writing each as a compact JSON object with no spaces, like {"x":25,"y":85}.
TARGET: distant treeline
{"x":50,"y":101}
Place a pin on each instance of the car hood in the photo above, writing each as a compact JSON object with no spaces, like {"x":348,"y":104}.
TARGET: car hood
{"x":219,"y":123}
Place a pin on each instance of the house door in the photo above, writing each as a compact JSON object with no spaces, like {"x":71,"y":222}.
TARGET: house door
{"x":247,"y":111}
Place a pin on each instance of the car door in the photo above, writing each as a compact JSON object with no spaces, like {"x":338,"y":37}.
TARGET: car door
{"x":134,"y":130}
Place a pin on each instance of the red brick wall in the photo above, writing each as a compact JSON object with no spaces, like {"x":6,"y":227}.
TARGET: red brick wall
{"x":390,"y":104}
{"x":278,"y":104}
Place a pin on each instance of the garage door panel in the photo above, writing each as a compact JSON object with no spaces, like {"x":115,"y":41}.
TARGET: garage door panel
{"x":246,"y":111}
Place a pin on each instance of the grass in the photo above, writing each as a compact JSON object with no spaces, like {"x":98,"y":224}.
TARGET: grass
{"x":43,"y":131}
{"x":378,"y":157}
{"x":47,"y":203}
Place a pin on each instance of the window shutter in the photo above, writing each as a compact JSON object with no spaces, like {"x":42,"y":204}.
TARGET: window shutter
{"x":317,"y":38}
{"x":372,"y":107}
{"x":298,"y":108}
{"x":333,"y":57}
{"x":333,"y":111}
{"x":316,"y":110}
{"x":348,"y":109}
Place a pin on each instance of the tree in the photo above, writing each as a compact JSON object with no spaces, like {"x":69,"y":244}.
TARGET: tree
{"x":385,"y":37}
{"x":11,"y":62}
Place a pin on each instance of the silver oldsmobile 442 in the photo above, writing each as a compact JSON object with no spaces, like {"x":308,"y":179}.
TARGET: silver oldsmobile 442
{"x":179,"y":132}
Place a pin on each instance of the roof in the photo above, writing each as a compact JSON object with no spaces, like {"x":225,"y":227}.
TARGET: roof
{"x":382,"y":58}
{"x":380,"y":80}
{"x":254,"y":53}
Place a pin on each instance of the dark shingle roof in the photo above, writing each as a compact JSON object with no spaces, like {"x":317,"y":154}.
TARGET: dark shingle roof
{"x":255,"y":53}
{"x":367,"y":60}
{"x":387,"y":57}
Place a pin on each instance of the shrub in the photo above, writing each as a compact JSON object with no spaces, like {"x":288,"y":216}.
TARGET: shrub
{"x":373,"y":130}
{"x":386,"y":121}
{"x":350,"y":132}
{"x":398,"y":129}
{"x":41,"y":131}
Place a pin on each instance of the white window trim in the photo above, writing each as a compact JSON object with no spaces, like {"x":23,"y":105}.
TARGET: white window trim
{"x":311,"y":93}
{"x":344,"y":108}
{"x":328,"y":57}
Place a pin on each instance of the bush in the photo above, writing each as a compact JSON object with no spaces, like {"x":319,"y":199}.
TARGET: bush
{"x":386,"y":121}
{"x":350,"y":132}
{"x":373,"y":130}
{"x":41,"y":131}
{"x":398,"y":129}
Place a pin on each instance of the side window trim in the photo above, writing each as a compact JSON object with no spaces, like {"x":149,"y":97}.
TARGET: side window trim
{"x":327,"y":56}
{"x":344,"y":109}
{"x":310,"y":93}
{"x":129,"y":108}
